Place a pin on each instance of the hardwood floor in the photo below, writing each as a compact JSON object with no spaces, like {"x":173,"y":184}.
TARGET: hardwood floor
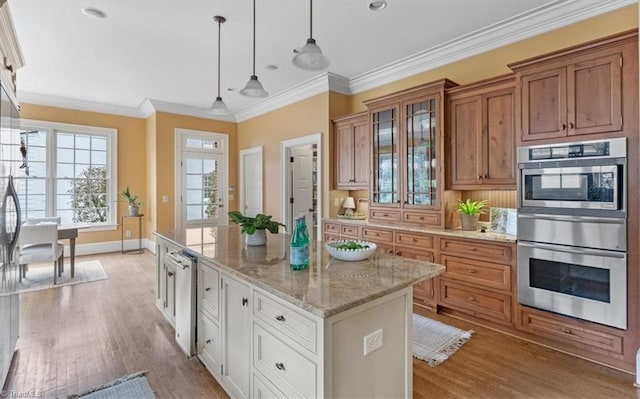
{"x":77,"y":337}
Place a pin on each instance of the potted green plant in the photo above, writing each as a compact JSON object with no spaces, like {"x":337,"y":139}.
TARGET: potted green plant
{"x":469,"y":212}
{"x":134,"y":204}
{"x":255,"y":227}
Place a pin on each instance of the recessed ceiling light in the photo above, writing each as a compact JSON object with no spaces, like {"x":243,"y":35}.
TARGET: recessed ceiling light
{"x":94,"y":13}
{"x":271,"y":67}
{"x":377,"y":5}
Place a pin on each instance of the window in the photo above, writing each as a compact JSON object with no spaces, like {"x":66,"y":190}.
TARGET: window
{"x":71,"y":171}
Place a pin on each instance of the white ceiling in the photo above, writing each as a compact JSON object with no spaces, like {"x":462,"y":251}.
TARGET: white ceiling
{"x":167,"y":50}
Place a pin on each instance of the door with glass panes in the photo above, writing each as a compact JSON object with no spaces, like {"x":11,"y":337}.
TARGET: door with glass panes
{"x":203,"y":181}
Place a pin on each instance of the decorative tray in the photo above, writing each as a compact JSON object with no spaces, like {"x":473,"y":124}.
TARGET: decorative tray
{"x":354,"y":217}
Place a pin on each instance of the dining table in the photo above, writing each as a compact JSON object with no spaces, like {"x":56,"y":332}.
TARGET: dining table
{"x":69,"y":231}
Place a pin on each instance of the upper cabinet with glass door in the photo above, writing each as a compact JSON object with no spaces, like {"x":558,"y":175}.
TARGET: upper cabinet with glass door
{"x":407,"y":146}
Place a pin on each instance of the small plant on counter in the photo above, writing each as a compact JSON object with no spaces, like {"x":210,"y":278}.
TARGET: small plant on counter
{"x":251,"y":225}
{"x":471,"y":207}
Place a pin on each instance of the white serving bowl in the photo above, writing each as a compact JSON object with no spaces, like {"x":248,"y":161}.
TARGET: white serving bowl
{"x":350,"y":254}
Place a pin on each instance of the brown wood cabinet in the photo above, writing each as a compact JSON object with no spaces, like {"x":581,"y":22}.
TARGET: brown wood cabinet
{"x":481,"y":135}
{"x":352,"y":148}
{"x":577,"y":91}
{"x":407,"y":153}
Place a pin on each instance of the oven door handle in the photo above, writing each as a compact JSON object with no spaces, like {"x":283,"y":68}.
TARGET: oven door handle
{"x":573,"y":250}
{"x":575,"y":218}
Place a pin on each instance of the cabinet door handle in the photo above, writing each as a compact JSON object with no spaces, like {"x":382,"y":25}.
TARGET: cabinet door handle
{"x":170,"y":274}
{"x":472,"y":249}
{"x":472,"y":271}
{"x":245,"y":301}
{"x":479,"y":177}
{"x":390,"y":252}
{"x":571,"y":126}
{"x":485,"y":176}
{"x":208,"y":341}
{"x":568,"y":331}
{"x":280,"y":366}
{"x":399,"y":253}
{"x":472,"y":299}
{"x":208,"y":289}
{"x":280,"y":318}
{"x":564,"y":126}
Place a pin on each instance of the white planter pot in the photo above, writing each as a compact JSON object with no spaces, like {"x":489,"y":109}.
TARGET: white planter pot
{"x":257,"y":238}
{"x":133,"y":210}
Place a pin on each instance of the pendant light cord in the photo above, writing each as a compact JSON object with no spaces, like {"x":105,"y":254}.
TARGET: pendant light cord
{"x":310,"y":19}
{"x":254,"y":37}
{"x":218,"y":59}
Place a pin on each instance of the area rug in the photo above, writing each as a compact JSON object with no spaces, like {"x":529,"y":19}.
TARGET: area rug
{"x":41,"y":277}
{"x":434,"y":341}
{"x":130,"y":386}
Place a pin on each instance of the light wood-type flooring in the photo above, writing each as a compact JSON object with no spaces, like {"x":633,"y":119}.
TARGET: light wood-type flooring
{"x":77,"y":337}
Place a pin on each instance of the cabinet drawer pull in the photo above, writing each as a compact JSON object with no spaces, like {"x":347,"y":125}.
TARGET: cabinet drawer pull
{"x":413,"y":239}
{"x":280,"y":318}
{"x":473,"y":271}
{"x":208,"y":289}
{"x":245,"y":301}
{"x":377,"y":235}
{"x":567,"y":331}
{"x":280,"y":366}
{"x":385,"y":214}
{"x":208,"y":341}
{"x":472,"y":299}
{"x":170,"y":274}
{"x":472,"y":249}
{"x":390,"y":252}
{"x":399,"y":253}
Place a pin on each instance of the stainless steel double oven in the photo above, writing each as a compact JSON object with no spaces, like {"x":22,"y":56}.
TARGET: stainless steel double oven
{"x":572,"y":229}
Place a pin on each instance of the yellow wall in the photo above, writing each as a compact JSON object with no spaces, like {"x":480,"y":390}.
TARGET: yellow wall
{"x":494,"y":63}
{"x":132,"y":154}
{"x":303,"y":118}
{"x":166,"y":124}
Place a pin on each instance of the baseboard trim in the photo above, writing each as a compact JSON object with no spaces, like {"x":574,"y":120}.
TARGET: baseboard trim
{"x":111,"y":246}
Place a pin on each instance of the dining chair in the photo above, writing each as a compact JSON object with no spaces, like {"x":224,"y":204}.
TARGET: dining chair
{"x":48,"y":219}
{"x":39,"y":243}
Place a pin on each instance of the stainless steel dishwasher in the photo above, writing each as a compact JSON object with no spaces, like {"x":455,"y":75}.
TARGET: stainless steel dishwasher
{"x":185,"y":264}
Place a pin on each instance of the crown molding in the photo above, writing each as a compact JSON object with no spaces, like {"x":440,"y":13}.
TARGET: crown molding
{"x":9,"y":44}
{"x":173,"y":108}
{"x":324,"y":82}
{"x":550,"y":16}
{"x":80,"y":105}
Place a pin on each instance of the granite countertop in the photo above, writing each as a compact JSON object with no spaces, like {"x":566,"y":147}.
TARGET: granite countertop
{"x":476,"y":235}
{"x":327,"y":287}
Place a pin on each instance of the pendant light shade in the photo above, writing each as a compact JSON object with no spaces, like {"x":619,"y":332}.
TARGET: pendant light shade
{"x":254,"y":88}
{"x":310,"y":55}
{"x":218,"y":107}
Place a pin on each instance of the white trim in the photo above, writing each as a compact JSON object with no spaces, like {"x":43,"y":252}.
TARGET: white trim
{"x":285,"y":147}
{"x":8,"y":40}
{"x":240,"y":191}
{"x":553,"y":15}
{"x":321,"y":83}
{"x":112,"y":169}
{"x":180,"y":109}
{"x":80,"y":105}
{"x":111,"y":246}
{"x":180,"y":134}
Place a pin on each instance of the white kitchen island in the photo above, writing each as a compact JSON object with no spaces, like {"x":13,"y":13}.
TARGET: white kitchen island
{"x":336,"y":329}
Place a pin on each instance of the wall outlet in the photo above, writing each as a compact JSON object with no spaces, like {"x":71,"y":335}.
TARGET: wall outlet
{"x":372,"y":342}
{"x":127,"y":233}
{"x":336,"y":202}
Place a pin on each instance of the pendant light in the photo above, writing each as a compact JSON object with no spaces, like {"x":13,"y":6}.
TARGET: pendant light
{"x":310,"y":55}
{"x":254,"y":88}
{"x":218,"y":107}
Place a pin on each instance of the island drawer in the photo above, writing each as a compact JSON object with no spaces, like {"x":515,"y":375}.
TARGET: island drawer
{"x":480,"y":303}
{"x":262,"y":388}
{"x":476,"y":272}
{"x":209,"y":290}
{"x":210,"y":345}
{"x":473,"y":249}
{"x":415,"y":240}
{"x":287,"y":321}
{"x":430,"y":219}
{"x":577,"y":333}
{"x":350,"y":231}
{"x":292,"y":373}
{"x":331,"y":237}
{"x":377,"y":235}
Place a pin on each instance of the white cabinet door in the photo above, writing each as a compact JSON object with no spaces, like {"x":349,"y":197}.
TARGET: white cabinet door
{"x":236,"y":339}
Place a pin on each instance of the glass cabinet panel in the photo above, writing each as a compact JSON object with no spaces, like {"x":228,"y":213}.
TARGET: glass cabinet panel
{"x":421,"y":153}
{"x":385,"y":157}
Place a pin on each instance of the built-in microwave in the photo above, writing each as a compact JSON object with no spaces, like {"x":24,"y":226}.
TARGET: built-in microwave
{"x":587,"y":175}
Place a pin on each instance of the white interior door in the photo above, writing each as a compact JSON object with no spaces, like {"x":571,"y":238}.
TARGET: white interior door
{"x":251,"y":181}
{"x":302,"y":183}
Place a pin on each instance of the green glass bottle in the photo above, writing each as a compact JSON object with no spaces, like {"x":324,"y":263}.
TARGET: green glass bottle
{"x":299,"y":249}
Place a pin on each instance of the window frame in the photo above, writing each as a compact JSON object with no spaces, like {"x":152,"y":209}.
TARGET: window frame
{"x":111,"y":134}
